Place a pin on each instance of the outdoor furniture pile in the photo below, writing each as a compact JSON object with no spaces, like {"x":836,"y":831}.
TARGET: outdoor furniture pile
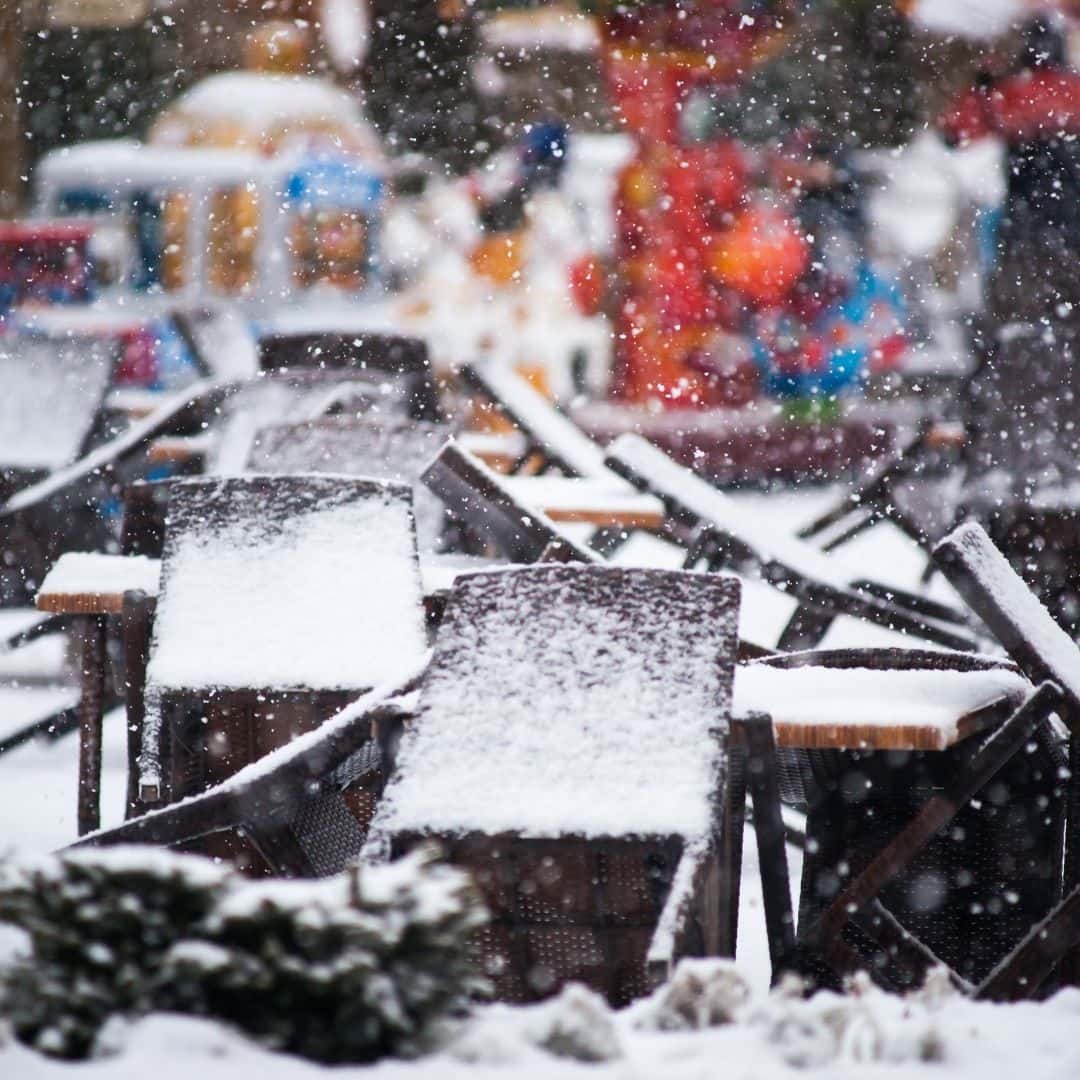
{"x":576,"y":708}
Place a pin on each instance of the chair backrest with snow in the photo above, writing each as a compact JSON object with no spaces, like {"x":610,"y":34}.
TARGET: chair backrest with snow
{"x":384,"y":357}
{"x":552,"y":439}
{"x":571,"y":750}
{"x":294,"y":396}
{"x":489,"y":514}
{"x":282,"y":599}
{"x":716,"y":529}
{"x":393,"y":449}
{"x":50,"y":407}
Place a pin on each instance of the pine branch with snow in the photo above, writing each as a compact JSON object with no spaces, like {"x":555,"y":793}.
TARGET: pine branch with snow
{"x":368,"y":963}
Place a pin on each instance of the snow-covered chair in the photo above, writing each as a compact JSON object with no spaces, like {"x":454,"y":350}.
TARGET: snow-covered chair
{"x":392,"y":449}
{"x":282,"y":599}
{"x":721,"y":534}
{"x":62,"y":512}
{"x":1049,"y":656}
{"x":571,"y":749}
{"x":490,"y":514}
{"x":52,"y":401}
{"x":387,"y":357}
{"x":552,"y":440}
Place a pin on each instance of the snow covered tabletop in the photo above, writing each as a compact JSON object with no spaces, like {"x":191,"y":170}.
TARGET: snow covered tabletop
{"x":90,"y":583}
{"x":925,"y":709}
{"x":287,"y":583}
{"x":602,"y":502}
{"x":569,"y":700}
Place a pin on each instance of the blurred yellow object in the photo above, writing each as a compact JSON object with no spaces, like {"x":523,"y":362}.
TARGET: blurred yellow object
{"x":499,"y":257}
{"x":278,"y":48}
{"x":639,"y":186}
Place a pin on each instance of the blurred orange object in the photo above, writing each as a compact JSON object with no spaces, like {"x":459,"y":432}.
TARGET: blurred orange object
{"x":499,"y":257}
{"x":762,"y":255}
{"x":278,"y":47}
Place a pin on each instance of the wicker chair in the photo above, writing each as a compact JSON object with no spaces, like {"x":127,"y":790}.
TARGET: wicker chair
{"x":571,"y":750}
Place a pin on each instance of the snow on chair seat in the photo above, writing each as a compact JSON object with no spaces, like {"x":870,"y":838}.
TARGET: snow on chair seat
{"x":571,"y":749}
{"x":720,"y":531}
{"x":282,"y":598}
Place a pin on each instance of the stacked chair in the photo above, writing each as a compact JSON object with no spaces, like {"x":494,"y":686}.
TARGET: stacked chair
{"x":589,"y":721}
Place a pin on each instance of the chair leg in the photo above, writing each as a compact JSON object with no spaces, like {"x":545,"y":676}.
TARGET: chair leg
{"x":769,"y":830}
{"x":92,"y":660}
{"x":138,"y":615}
{"x":729,"y":833}
{"x":1025,"y":969}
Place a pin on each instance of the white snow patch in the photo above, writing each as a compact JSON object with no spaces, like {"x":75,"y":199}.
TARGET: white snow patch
{"x":95,"y":573}
{"x":814,"y":696}
{"x":537,"y":723}
{"x":330,"y":601}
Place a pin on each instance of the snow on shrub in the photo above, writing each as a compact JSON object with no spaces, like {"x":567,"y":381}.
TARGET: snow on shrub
{"x":702,"y":993}
{"x":99,"y":924}
{"x":346,"y":969}
{"x":861,"y":1026}
{"x":349,"y":968}
{"x":577,"y":1024}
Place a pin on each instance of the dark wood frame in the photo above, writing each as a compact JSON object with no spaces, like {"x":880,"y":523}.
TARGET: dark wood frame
{"x":477,"y":501}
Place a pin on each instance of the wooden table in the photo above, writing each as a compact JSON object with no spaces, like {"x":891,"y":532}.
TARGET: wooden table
{"x":865,"y":709}
{"x":90,"y":588}
{"x":865,"y":779}
{"x":588,"y":501}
